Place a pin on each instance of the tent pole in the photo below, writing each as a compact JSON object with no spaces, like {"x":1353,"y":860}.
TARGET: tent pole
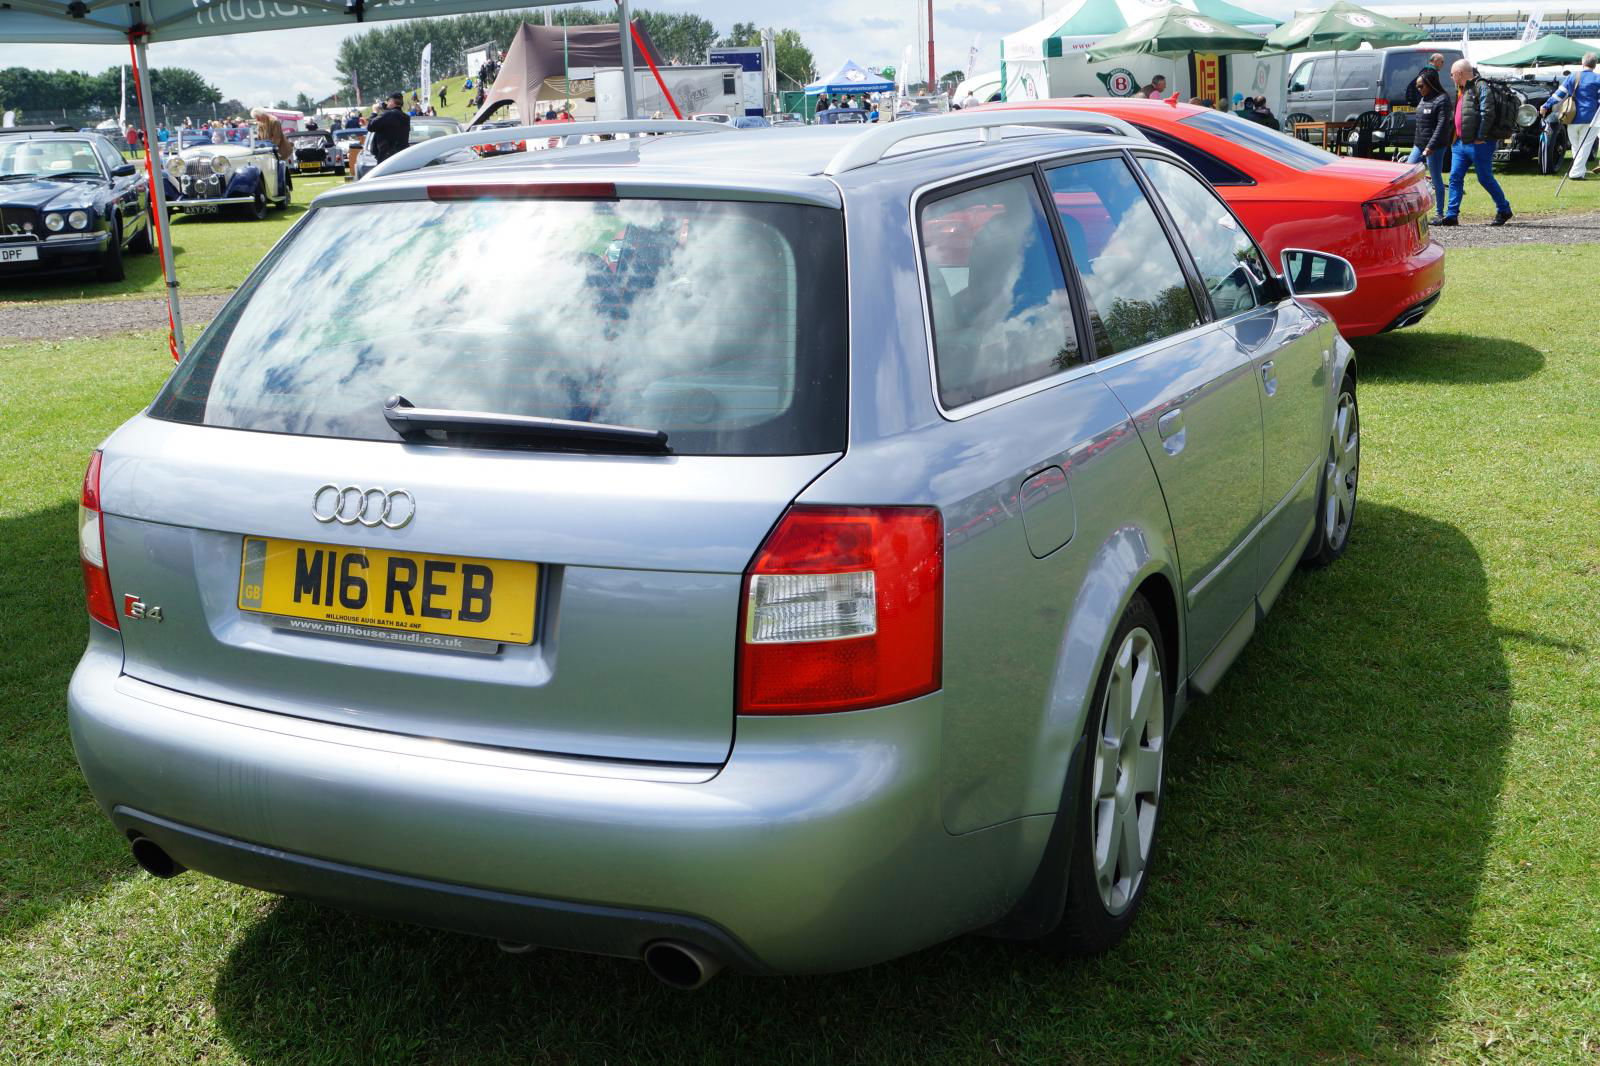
{"x":158,"y":197}
{"x":630,"y":91}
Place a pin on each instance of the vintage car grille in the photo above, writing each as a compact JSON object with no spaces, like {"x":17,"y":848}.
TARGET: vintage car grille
{"x":199,"y":180}
{"x":20,"y":225}
{"x":319,"y":154}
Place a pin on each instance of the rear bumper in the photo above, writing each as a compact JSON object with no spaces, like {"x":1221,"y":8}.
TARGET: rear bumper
{"x":1389,"y":293}
{"x":818,"y":846}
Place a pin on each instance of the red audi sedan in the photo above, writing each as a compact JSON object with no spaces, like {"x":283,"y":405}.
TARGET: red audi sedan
{"x":1295,"y":195}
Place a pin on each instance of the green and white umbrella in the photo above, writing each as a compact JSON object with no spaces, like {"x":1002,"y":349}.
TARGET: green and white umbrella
{"x":1342,"y":27}
{"x":1176,"y":31}
{"x":1551,"y":50}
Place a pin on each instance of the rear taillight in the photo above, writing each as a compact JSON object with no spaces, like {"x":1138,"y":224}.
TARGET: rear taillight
{"x":1381,"y":106}
{"x":843,"y":609}
{"x":1397,"y":210}
{"x":92,"y":549}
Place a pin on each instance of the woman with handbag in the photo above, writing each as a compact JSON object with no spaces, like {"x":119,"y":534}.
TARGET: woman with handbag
{"x":1576,"y":103}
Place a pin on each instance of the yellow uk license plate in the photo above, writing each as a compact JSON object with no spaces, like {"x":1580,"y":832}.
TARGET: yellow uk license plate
{"x":310,"y":166}
{"x":382,"y":594}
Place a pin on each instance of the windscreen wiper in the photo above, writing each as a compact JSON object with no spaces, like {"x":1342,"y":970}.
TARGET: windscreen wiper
{"x":409,"y":420}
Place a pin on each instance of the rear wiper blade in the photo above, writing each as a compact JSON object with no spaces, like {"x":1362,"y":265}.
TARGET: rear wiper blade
{"x":407,"y":419}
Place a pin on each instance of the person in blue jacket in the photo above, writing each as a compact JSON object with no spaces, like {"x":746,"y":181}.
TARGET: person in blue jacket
{"x":1583,"y":85}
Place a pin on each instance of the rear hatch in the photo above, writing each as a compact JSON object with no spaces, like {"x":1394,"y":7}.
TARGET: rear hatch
{"x":522,"y":577}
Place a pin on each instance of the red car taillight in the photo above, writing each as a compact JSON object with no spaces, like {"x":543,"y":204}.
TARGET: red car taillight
{"x":1397,"y":210}
{"x":843,"y":608}
{"x":1381,"y":106}
{"x":92,"y":549}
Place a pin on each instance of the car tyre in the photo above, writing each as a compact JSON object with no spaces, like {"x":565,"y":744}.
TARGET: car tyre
{"x":111,"y":268}
{"x":1119,"y":799}
{"x":1340,"y":481}
{"x":258,"y":205}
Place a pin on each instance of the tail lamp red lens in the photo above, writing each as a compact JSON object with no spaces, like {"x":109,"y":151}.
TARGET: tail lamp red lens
{"x":843,"y":609}
{"x":559,"y":190}
{"x":1381,"y":106}
{"x":1399,"y":209}
{"x":92,"y":549}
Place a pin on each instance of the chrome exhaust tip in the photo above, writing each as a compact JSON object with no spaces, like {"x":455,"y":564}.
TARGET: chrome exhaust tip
{"x":154,"y":860}
{"x":681,"y":966}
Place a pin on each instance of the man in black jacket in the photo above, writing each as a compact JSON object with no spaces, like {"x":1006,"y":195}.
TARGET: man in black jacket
{"x":1473,"y":149}
{"x":389,"y":131}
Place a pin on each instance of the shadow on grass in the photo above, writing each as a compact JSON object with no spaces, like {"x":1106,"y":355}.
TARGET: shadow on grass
{"x":57,"y":845}
{"x":1328,"y":820}
{"x":1421,"y":357}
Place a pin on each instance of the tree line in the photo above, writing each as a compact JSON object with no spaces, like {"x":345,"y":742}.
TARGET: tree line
{"x":386,"y":59}
{"x":44,"y":92}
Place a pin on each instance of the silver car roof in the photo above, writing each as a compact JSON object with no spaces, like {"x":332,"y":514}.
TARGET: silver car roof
{"x":786,"y":164}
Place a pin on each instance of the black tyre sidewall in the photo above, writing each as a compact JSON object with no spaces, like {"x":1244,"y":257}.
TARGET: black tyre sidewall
{"x":1086,"y":927}
{"x":1319,"y":552}
{"x":111,"y":268}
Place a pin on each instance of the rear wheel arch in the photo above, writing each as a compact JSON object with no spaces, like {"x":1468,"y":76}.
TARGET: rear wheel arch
{"x":1159,"y":592}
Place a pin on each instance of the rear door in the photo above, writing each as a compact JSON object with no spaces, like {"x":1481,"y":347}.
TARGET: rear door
{"x":1188,"y":385}
{"x":1357,"y":76}
{"x":560,"y":593}
{"x":1288,"y":349}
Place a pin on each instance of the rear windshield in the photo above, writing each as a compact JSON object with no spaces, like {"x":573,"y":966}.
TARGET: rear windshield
{"x":1279,"y":146}
{"x":721,"y":323}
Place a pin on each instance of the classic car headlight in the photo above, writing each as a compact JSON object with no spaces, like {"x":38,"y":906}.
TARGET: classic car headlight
{"x":175,"y":166}
{"x":53,"y":222}
{"x":1527,"y":115}
{"x":78,"y":220}
{"x":221,"y":164}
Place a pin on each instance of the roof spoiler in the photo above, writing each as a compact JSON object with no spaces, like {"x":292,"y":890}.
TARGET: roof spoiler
{"x":429,"y":152}
{"x":872,"y":146}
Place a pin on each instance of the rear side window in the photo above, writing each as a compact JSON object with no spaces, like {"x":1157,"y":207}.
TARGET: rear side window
{"x":1280,"y":147}
{"x":1000,"y":310}
{"x":1228,"y":260}
{"x":1402,"y":69}
{"x":1358,"y":72}
{"x":1210,"y":167}
{"x":721,"y":323}
{"x":1136,"y":290}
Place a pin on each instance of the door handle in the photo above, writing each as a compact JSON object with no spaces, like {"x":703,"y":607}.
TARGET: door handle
{"x":1269,"y":377}
{"x":1170,"y":427}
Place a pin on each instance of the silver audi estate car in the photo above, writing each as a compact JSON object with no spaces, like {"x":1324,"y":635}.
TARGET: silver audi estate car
{"x":776,"y":550}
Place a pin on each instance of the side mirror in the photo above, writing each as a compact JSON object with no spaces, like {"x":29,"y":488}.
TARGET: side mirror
{"x":124,"y":170}
{"x":1313,"y":274}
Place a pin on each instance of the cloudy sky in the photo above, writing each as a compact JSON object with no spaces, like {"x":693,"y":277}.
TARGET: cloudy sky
{"x":263,"y":67}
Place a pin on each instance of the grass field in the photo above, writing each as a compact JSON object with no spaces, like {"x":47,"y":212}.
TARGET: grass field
{"x":1383,"y":834}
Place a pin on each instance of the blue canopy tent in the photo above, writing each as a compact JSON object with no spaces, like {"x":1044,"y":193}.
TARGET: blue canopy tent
{"x":143,"y":22}
{"x":851,"y":78}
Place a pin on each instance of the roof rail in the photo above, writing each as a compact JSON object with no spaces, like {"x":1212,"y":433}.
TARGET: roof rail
{"x":872,"y":146}
{"x":428,"y":152}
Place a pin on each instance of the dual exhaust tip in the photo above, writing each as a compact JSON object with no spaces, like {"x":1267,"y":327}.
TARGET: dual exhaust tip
{"x":673,"y":963}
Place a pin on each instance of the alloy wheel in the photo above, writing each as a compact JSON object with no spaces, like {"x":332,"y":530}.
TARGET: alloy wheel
{"x":1129,"y":748}
{"x":1343,"y":472}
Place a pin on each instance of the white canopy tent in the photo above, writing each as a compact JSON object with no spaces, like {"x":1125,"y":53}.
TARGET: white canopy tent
{"x":1026,"y":55}
{"x":144,"y":22}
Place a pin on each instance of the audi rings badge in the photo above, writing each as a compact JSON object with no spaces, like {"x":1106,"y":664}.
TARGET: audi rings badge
{"x":351,"y":505}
